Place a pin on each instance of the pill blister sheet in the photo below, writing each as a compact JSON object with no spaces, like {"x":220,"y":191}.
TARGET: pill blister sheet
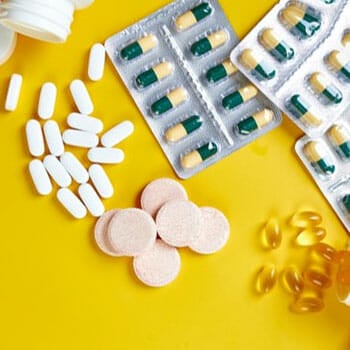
{"x":204,"y":98}
{"x":310,"y":55}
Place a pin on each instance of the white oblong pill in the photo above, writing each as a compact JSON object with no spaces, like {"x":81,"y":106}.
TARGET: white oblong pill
{"x":92,"y":201}
{"x":74,"y":167}
{"x":80,"y":138}
{"x":117,"y":134}
{"x":40,"y":177}
{"x":47,"y":100}
{"x":97,"y":60}
{"x":13,"y":92}
{"x":57,"y":171}
{"x":72,"y":203}
{"x":35,"y":138}
{"x":106,"y":155}
{"x":85,"y":123}
{"x":101,"y":181}
{"x":53,"y":138}
{"x":81,"y":97}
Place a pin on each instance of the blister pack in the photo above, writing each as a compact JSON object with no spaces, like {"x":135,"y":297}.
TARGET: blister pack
{"x":176,"y":65}
{"x":299,"y":56}
{"x":327,"y":158}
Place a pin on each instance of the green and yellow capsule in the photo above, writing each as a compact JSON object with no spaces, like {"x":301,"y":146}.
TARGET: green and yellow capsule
{"x":322,"y":86}
{"x":340,"y":63}
{"x":277,"y":47}
{"x":346,"y":38}
{"x":139,"y":47}
{"x":221,"y":71}
{"x":190,"y":18}
{"x":301,"y":21}
{"x":157,"y":73}
{"x":211,"y":42}
{"x":181,"y":130}
{"x":239,"y":97}
{"x":171,"y":100}
{"x":346,"y":203}
{"x":257,"y":65}
{"x":319,"y":157}
{"x":199,"y":155}
{"x":340,"y":138}
{"x":303,"y":111}
{"x":255,"y":122}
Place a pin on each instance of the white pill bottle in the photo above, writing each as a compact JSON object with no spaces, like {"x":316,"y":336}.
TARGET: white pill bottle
{"x":47,"y":20}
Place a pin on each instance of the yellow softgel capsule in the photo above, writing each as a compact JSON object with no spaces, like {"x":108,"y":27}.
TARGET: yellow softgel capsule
{"x":266,"y":279}
{"x":318,"y":276}
{"x":307,"y":218}
{"x":292,"y":280}
{"x":310,"y":235}
{"x":271,"y":234}
{"x":307,"y":302}
{"x":325,"y":252}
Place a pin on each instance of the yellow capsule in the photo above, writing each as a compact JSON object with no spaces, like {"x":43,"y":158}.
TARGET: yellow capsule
{"x":292,"y":280}
{"x":139,"y":47}
{"x":266,"y":279}
{"x":318,"y":276}
{"x":307,"y":302}
{"x":307,"y":218}
{"x":310,"y":235}
{"x":271,"y":234}
{"x":325,"y":252}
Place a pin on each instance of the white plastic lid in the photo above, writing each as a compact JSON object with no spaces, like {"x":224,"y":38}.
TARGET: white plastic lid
{"x":8,"y":40}
{"x":81,"y":4}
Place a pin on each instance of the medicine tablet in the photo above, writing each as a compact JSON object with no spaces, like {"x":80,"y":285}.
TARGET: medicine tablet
{"x":213,"y":233}
{"x":117,"y":134}
{"x":106,"y":155}
{"x":74,"y":167}
{"x":35,"y":138}
{"x":40,"y":177}
{"x":53,"y":138}
{"x":101,"y":181}
{"x":132,"y":231}
{"x":47,"y":100}
{"x":85,"y":123}
{"x":160,"y":191}
{"x":81,"y":97}
{"x":72,"y":203}
{"x":57,"y":171}
{"x":92,"y":201}
{"x":97,"y":60}
{"x":178,"y":222}
{"x":13,"y":92}
{"x":80,"y":138}
{"x":159,"y":266}
{"x":8,"y":39}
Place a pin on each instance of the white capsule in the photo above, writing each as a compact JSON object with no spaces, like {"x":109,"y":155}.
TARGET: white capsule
{"x":80,"y":138}
{"x":47,"y":100}
{"x":13,"y":92}
{"x":40,"y":177}
{"x":92,"y":201}
{"x":106,"y":155}
{"x":74,"y":167}
{"x":57,"y":171}
{"x":53,"y":138}
{"x":101,"y":181}
{"x":81,"y":97}
{"x":35,"y":138}
{"x":117,"y":134}
{"x":85,"y":123}
{"x":97,"y":59}
{"x":72,"y":203}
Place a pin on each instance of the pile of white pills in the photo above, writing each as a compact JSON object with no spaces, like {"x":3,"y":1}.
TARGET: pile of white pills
{"x":153,"y":234}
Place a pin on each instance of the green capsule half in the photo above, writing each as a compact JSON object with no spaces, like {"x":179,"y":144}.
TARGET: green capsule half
{"x":190,"y":18}
{"x":139,"y":47}
{"x":321,"y":85}
{"x":329,"y":1}
{"x":209,"y":43}
{"x":221,"y":71}
{"x":169,"y":101}
{"x":199,"y":155}
{"x":319,"y":157}
{"x":302,"y":111}
{"x":239,"y":97}
{"x":257,"y":65}
{"x":157,"y":73}
{"x":255,"y":122}
{"x":346,"y":203}
{"x":181,"y":130}
{"x":340,"y":138}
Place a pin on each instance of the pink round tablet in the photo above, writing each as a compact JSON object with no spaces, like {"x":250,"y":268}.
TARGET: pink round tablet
{"x":132,"y":231}
{"x":158,"y":266}
{"x":213,"y":234}
{"x":160,"y":191}
{"x":178,"y":222}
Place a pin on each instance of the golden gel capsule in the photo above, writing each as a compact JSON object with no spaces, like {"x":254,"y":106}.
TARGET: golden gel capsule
{"x":325,"y":252}
{"x":292,"y":280}
{"x":307,"y":302}
{"x":306,"y":218}
{"x":271,"y":234}
{"x":318,"y":276}
{"x":266,"y":279}
{"x":310,"y":235}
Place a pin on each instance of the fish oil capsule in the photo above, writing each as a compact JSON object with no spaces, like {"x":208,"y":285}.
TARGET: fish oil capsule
{"x":257,"y":65}
{"x":210,"y":42}
{"x":239,"y":97}
{"x":190,"y":18}
{"x":307,"y":302}
{"x":317,"y":276}
{"x":301,"y":21}
{"x":255,"y":122}
{"x":277,"y":47}
{"x":221,"y":71}
{"x":292,"y":280}
{"x":310,"y":235}
{"x":304,"y":219}
{"x":171,"y":100}
{"x":340,"y":63}
{"x":346,"y":38}
{"x":303,"y":111}
{"x":266,"y":279}
{"x":325,"y":252}
{"x":340,"y":138}
{"x":199,"y":155}
{"x":319,"y":157}
{"x":139,"y":47}
{"x":271,"y":234}
{"x":322,"y":86}
{"x":157,"y":73}
{"x":181,"y":130}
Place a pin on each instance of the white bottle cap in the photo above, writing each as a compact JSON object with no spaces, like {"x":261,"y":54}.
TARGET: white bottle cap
{"x":8,"y":40}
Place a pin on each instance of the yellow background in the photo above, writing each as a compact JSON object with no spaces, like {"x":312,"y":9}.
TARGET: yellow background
{"x":57,"y":291}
